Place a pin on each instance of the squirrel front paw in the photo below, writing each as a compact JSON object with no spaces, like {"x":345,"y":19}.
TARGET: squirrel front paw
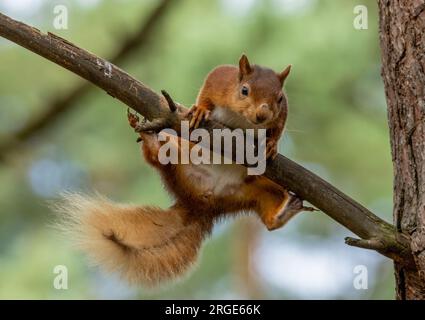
{"x":198,"y":114}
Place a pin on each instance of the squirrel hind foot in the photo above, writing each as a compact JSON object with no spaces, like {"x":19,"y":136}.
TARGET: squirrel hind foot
{"x":288,"y":210}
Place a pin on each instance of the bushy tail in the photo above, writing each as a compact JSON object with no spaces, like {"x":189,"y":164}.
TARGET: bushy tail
{"x":146,"y":245}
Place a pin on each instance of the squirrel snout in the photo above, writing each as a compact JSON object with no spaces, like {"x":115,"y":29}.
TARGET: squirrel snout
{"x":264,"y":113}
{"x":261,"y":117}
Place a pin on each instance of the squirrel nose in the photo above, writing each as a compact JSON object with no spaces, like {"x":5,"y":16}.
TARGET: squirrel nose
{"x":261,"y":117}
{"x":262,"y":113}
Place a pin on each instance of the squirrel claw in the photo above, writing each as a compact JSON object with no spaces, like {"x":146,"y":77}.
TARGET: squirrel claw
{"x":133,"y":118}
{"x":198,"y":114}
{"x":271,"y":149}
{"x":296,"y":205}
{"x":153,"y":126}
{"x":292,"y":207}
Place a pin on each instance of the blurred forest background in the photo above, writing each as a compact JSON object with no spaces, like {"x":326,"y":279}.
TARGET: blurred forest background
{"x":337,"y":128}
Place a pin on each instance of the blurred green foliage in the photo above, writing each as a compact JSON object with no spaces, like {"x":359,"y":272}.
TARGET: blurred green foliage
{"x":337,"y":128}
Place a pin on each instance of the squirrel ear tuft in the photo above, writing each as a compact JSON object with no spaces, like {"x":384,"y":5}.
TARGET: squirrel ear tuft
{"x":284,"y":74}
{"x":244,"y":66}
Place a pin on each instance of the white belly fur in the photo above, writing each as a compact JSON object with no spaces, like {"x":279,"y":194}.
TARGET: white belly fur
{"x":219,"y":179}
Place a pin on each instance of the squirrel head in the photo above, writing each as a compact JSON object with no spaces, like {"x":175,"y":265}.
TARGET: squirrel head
{"x":260,"y":96}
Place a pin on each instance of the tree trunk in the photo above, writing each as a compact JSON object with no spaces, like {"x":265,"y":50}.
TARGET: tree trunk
{"x":402,"y":38}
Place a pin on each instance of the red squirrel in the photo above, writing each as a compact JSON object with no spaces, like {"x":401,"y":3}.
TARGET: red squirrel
{"x":149,"y":245}
{"x":250,"y":96}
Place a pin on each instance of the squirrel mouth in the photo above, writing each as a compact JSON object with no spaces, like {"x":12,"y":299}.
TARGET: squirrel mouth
{"x":259,"y":124}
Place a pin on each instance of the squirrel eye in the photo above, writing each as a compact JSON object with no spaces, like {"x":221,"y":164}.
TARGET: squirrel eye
{"x":244,"y":91}
{"x":280,"y":99}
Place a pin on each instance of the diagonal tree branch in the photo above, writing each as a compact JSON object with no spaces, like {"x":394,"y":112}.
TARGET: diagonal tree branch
{"x":63,"y":104}
{"x":283,"y":171}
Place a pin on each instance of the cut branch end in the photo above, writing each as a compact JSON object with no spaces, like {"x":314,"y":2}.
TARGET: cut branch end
{"x":373,"y":244}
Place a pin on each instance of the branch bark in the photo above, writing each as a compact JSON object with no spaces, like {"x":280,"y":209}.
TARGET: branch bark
{"x":58,"y":107}
{"x":142,"y":99}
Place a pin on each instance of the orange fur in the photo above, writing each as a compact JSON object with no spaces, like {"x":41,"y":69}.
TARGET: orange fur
{"x":144,"y":245}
